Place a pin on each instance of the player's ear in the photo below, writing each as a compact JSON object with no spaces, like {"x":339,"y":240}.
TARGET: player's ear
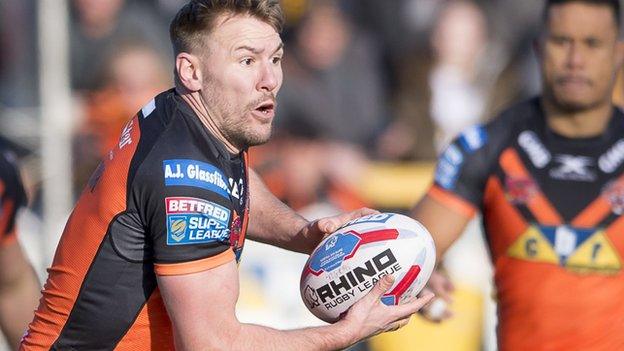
{"x":188,"y":71}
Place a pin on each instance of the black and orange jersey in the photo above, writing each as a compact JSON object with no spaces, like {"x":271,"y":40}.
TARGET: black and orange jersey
{"x":169,"y":199}
{"x":12,"y":195}
{"x":552,"y":214}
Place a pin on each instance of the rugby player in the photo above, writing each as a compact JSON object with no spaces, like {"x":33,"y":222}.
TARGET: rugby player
{"x":548,"y":177}
{"x":19,"y":286}
{"x":148,"y":259}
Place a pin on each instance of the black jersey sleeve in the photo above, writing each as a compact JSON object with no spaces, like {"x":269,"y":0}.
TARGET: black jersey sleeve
{"x":12,"y":195}
{"x":463,"y":168}
{"x":188,"y":213}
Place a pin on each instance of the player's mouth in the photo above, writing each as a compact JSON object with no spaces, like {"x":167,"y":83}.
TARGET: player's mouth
{"x":265,"y":111}
{"x":574,"y":81}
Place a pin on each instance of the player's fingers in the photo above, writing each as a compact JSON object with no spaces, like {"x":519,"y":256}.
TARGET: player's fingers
{"x":331,"y":224}
{"x":364,"y":211}
{"x":412,"y":307}
{"x":380,"y":288}
{"x":442,"y":291}
{"x":442,"y":287}
{"x":449,"y":286}
{"x":398,"y":324}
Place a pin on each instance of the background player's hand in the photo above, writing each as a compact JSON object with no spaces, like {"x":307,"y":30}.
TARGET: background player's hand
{"x":369,"y":316}
{"x":439,"y":309}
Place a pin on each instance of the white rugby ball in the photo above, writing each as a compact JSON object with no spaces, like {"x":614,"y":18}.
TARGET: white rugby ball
{"x":349,"y":262}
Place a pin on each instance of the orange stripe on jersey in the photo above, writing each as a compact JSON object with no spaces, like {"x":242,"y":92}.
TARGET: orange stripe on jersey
{"x":593,"y":214}
{"x":6,"y":211}
{"x":195,"y":266}
{"x":245,"y":213}
{"x":152,"y":324}
{"x":504,"y":223}
{"x":614,"y":234}
{"x":94,"y":212}
{"x":452,"y":201}
{"x":597,"y":211}
{"x":539,"y":205}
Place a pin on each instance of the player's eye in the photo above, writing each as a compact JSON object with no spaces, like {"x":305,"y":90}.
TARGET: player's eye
{"x":593,"y":42}
{"x":247,"y":61}
{"x":276,"y":60}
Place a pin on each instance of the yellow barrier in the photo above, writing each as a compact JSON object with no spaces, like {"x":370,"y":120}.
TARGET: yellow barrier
{"x":460,"y":333}
{"x":392,"y":185}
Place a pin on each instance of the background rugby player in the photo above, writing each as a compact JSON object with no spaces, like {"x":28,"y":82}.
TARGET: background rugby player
{"x":548,"y":177}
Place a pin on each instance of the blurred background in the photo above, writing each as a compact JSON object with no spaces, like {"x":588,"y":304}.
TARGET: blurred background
{"x":372,"y":91}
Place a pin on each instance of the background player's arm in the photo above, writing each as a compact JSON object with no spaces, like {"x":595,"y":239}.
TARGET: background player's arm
{"x":444,"y":224}
{"x":201,"y":306}
{"x":19,"y":292}
{"x":272,"y":222}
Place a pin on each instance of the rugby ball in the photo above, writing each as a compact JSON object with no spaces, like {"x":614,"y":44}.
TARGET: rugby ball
{"x":348,"y":263}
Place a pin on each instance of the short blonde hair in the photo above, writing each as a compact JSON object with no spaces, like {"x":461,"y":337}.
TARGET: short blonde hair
{"x":197,"y":18}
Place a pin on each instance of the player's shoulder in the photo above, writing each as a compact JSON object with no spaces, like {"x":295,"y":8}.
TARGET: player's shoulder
{"x":514,"y":118}
{"x":501,"y":129}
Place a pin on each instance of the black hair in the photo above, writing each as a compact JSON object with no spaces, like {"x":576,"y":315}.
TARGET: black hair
{"x":613,"y":4}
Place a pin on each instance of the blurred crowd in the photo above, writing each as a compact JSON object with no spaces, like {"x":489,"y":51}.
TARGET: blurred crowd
{"x":365,"y":81}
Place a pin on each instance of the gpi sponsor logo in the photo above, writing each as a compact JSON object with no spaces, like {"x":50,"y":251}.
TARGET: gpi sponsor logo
{"x":534,"y":148}
{"x":195,"y":221}
{"x":613,"y":158}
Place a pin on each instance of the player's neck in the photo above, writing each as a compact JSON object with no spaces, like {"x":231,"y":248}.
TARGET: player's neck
{"x":198,"y":105}
{"x":580,"y":124}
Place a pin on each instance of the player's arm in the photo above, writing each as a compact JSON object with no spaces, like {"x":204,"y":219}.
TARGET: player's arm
{"x":272,"y":222}
{"x":19,"y":292}
{"x":443,"y":222}
{"x":201,"y":306}
{"x":446,"y":226}
{"x":453,"y":200}
{"x":19,"y":286}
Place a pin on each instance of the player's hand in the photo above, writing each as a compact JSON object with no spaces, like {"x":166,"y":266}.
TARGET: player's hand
{"x":319,"y":229}
{"x":329,"y":225}
{"x":369,"y":316}
{"x":439,"y":309}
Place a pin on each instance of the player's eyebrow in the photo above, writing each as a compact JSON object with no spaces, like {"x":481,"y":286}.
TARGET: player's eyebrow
{"x":249,"y":48}
{"x":279,"y":47}
{"x":258,"y":50}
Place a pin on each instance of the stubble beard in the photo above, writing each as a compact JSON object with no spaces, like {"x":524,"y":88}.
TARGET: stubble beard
{"x":235,"y":124}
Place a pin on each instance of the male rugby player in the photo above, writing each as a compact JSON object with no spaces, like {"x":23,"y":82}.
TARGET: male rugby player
{"x":148,"y":259}
{"x":548,"y":177}
{"x":19,"y":287}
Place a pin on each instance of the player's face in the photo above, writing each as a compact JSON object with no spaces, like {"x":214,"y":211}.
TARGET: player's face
{"x":580,"y":55}
{"x":243,"y":73}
